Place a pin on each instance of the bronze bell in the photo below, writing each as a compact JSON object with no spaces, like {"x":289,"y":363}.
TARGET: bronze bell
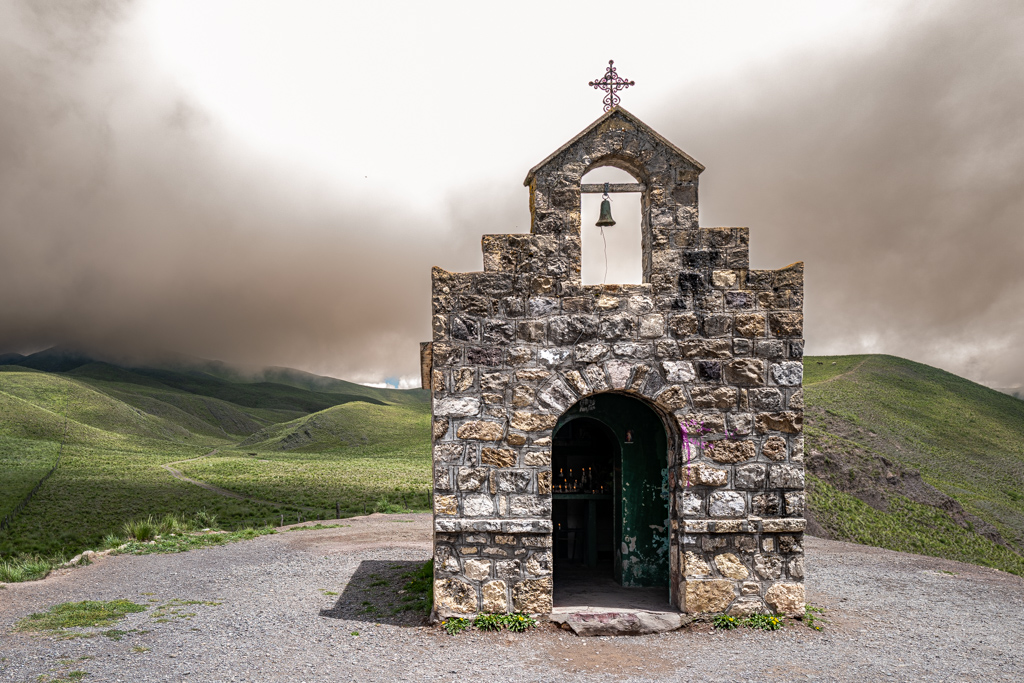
{"x":606,"y":211}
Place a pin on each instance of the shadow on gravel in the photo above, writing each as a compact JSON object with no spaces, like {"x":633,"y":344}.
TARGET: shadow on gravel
{"x":375,"y":594}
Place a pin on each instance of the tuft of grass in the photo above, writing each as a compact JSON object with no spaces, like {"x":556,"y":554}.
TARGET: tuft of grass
{"x":24,"y":569}
{"x":78,"y":614}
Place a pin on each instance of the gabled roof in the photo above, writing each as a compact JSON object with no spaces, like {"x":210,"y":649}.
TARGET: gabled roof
{"x":607,"y":115}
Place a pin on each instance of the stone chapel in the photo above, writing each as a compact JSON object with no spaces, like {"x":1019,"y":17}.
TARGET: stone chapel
{"x":649,"y":434}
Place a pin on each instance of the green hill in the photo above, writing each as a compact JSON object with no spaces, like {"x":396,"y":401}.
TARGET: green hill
{"x":118,"y":427}
{"x":905,"y":456}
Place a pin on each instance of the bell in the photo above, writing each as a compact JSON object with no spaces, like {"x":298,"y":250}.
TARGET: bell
{"x":606,"y":213}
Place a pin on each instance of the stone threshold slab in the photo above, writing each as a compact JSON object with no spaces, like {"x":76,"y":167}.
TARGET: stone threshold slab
{"x":597,"y":621}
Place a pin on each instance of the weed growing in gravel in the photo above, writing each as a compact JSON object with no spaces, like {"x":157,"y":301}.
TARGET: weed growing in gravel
{"x":811,"y":618}
{"x":764,"y":622}
{"x":171,"y":610}
{"x":138,"y":649}
{"x":76,"y":614}
{"x":516,"y":623}
{"x":725,"y":622}
{"x":487,"y":622}
{"x":455,"y":625}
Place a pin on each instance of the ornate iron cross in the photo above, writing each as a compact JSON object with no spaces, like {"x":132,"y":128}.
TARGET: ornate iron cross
{"x":612,"y":83}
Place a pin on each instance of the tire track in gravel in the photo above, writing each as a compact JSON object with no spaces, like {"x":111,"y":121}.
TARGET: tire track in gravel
{"x":177,"y":474}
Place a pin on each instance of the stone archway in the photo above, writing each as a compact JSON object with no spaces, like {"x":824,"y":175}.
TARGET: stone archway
{"x":610,"y":512}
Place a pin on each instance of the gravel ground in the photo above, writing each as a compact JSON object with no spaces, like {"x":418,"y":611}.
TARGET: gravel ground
{"x":893,"y":617}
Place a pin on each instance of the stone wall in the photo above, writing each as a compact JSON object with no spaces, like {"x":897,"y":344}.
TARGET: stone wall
{"x":703,"y":338}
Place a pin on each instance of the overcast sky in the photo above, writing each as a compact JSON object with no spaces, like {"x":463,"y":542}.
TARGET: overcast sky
{"x":269,"y":183}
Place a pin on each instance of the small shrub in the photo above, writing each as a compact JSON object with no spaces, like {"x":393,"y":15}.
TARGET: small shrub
{"x":725,"y":622}
{"x":518,"y":622}
{"x":488,"y":622}
{"x":455,"y":625}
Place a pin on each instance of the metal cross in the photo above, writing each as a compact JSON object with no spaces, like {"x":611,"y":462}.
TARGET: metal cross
{"x":612,"y":83}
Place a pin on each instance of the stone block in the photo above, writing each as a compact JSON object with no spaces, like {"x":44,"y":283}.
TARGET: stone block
{"x":677,"y":371}
{"x":787,"y":421}
{"x":745,"y":372}
{"x":787,"y":477}
{"x":709,"y":370}
{"x":537,"y":458}
{"x":730,"y":452}
{"x":709,"y":596}
{"x":498,"y":457}
{"x":796,"y":568}
{"x":532,"y":422}
{"x":683,"y":325}
{"x":471,"y":478}
{"x":652,"y":326}
{"x":513,"y":481}
{"x":747,"y":606}
{"x":786,"y":324}
{"x":515,"y":439}
{"x":530,"y":506}
{"x":688,"y":504}
{"x":789,"y":374}
{"x":533,"y":596}
{"x":702,"y":474}
{"x":523,"y":395}
{"x":723,"y":279}
{"x":694,"y":566}
{"x":766,"y":504}
{"x":590,"y":353}
{"x":722,"y":398}
{"x":727,"y":504}
{"x":749,"y":325}
{"x":731,"y":567}
{"x":481,"y":431}
{"x":446,"y":505}
{"x":439,"y":428}
{"x":673,"y":398}
{"x":619,"y":372}
{"x":449,"y":452}
{"x":477,"y":505}
{"x":576,"y":381}
{"x":768,"y":567}
{"x":453,"y":597}
{"x":795,"y":503}
{"x":539,"y":564}
{"x":495,"y":597}
{"x":750,"y":477}
{"x":442,"y":478}
{"x":553,"y":357}
{"x":477,"y":570}
{"x":786,"y":598}
{"x":774,"y":448}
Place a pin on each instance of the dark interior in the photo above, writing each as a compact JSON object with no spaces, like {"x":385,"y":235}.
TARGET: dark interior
{"x":585,"y":454}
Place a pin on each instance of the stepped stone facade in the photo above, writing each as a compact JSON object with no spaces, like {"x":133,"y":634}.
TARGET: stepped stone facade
{"x":703,"y":338}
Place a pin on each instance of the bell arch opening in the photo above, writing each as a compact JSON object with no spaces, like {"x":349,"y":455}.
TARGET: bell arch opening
{"x":610,"y":499}
{"x":618,"y":246}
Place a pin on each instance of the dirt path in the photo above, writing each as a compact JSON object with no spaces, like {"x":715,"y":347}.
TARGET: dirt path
{"x":314,"y":606}
{"x":177,"y":474}
{"x":852,"y":370}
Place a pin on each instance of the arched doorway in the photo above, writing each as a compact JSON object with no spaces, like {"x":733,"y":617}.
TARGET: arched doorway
{"x":610,"y":493}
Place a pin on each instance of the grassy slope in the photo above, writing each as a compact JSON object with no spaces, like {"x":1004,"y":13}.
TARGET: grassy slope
{"x":966,"y":440}
{"x":122,"y":425}
{"x":354,"y":455}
